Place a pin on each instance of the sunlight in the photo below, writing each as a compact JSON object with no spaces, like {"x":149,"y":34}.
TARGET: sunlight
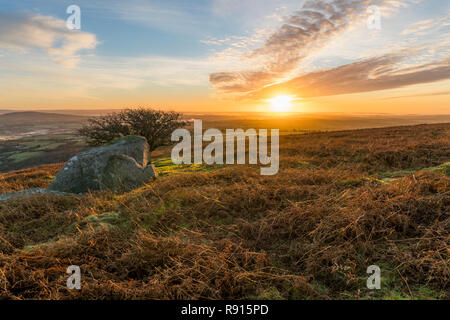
{"x":281,"y":103}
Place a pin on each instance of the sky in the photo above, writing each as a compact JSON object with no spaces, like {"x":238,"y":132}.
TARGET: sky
{"x":353,"y":56}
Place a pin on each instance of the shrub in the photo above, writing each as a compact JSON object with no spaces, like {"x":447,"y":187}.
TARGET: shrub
{"x":155,"y":125}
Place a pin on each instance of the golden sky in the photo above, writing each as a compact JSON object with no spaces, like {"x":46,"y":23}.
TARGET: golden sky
{"x":355,"y":56}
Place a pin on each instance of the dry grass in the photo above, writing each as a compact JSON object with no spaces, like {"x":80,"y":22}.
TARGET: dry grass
{"x":309,"y":232}
{"x":39,"y":177}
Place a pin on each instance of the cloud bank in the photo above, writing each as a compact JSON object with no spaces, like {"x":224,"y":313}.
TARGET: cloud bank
{"x":303,"y":31}
{"x":23,"y":33}
{"x":373,"y":74}
{"x":273,"y":67}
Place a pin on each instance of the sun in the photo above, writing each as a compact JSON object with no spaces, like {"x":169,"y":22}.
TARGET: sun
{"x":281,"y":104}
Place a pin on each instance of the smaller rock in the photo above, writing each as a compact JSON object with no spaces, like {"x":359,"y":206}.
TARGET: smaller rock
{"x":29,"y":192}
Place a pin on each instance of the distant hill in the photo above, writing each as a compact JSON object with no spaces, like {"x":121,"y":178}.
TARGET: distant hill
{"x":34,"y":117}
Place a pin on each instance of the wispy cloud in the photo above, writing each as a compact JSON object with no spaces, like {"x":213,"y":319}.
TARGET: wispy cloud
{"x":178,"y":17}
{"x":373,"y":74}
{"x":302,"y":32}
{"x":22,"y":33}
{"x":123,"y":73}
{"x":428,"y":94}
{"x":424,"y":27}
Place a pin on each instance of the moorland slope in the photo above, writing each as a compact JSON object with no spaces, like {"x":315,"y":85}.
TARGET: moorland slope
{"x":341,"y":201}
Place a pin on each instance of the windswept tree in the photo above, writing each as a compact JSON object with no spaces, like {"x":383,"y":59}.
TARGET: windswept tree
{"x":155,"y":125}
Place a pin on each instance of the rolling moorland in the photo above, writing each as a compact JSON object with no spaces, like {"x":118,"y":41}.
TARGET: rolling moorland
{"x":29,"y":139}
{"x":341,"y":201}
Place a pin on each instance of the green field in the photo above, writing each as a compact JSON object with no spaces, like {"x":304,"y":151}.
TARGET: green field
{"x":31,"y":151}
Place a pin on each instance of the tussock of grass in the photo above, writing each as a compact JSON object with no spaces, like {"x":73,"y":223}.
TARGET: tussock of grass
{"x":445,"y":168}
{"x":38,"y":177}
{"x":165,"y":166}
{"x":309,"y":232}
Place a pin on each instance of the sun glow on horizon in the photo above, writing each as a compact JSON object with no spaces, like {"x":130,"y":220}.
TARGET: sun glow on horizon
{"x":281,"y":103}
